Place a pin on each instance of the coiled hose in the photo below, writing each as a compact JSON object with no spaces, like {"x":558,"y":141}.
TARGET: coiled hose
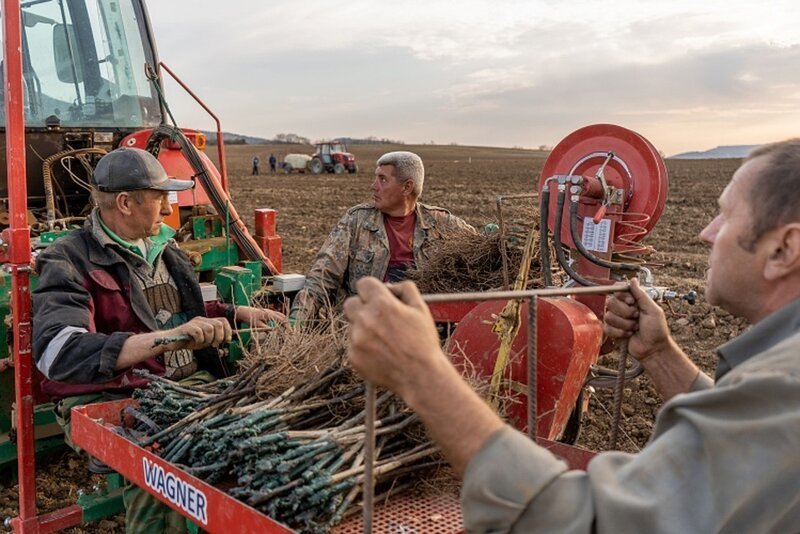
{"x":544,"y":247}
{"x":47,"y":176}
{"x":562,"y":260}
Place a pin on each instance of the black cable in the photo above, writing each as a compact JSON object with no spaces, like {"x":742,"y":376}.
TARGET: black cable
{"x":573,"y":228}
{"x":562,"y":260}
{"x":220,"y":201}
{"x":544,"y":243}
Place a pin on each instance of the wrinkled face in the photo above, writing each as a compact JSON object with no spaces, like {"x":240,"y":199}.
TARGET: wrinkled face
{"x":148,"y":209}
{"x":734,"y":277}
{"x":388,"y":193}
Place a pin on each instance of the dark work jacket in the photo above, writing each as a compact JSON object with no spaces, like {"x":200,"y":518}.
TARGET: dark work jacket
{"x":87,"y":285}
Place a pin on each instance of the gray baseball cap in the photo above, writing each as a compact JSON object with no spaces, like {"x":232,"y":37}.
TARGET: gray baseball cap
{"x":132,"y":169}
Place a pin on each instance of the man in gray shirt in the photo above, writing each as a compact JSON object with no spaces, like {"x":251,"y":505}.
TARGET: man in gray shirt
{"x":725,"y":453}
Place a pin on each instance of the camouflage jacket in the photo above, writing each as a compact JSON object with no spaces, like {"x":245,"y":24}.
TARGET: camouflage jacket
{"x":359,"y":247}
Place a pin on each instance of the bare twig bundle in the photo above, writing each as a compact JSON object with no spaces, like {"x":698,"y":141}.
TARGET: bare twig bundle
{"x":297,"y":355}
{"x":474,"y":262}
{"x":298,"y":455}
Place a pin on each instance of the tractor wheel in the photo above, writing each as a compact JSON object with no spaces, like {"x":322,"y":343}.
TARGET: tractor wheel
{"x":338,"y":168}
{"x":287,"y":168}
{"x":353,"y":169}
{"x":316,"y":166}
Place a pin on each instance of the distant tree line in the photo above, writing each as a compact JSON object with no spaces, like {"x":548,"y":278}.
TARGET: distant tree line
{"x":371,"y":140}
{"x":290,"y":139}
{"x":295,"y":139}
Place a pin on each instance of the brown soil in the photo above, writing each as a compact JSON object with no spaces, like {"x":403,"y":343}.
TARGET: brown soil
{"x":466,"y":181}
{"x":59,"y":478}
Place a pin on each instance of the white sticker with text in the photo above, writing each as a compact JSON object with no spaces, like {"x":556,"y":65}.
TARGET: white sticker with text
{"x":180,"y":493}
{"x":596,"y":236}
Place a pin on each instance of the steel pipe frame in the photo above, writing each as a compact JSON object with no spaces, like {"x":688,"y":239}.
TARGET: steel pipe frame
{"x":20,"y":267}
{"x":223,"y":172}
{"x":478,"y":296}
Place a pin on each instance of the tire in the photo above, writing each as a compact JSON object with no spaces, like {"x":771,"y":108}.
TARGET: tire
{"x":338,"y":169}
{"x":287,"y":168}
{"x":316,"y":166}
{"x":353,"y":169}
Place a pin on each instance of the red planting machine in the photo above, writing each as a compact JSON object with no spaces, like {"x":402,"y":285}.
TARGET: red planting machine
{"x":601,"y":191}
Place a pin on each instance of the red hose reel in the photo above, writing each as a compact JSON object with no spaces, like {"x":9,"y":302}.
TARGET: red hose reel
{"x":631,"y":189}
{"x":615,"y":180}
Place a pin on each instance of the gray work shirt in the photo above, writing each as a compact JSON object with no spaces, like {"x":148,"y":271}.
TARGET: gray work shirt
{"x":721,"y":459}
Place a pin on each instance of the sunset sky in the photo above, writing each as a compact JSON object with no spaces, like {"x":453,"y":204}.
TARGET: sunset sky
{"x":687,"y":75}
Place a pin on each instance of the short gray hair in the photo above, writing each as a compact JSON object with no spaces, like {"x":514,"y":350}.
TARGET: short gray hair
{"x":776,"y":194}
{"x":407,"y":166}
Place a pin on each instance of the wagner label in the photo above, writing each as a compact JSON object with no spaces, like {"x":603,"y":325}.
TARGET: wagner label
{"x":180,"y":493}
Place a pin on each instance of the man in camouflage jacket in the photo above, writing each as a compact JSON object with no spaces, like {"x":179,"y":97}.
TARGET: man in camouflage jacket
{"x":365,"y":240}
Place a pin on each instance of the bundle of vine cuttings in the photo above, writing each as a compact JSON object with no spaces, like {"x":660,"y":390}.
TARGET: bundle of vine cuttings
{"x":474,"y":262}
{"x":287,"y":434}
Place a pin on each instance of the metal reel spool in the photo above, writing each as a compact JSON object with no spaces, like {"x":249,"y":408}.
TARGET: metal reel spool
{"x":635,"y":167}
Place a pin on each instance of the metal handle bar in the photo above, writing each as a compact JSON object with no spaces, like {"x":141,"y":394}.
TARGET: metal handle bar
{"x":434,"y":298}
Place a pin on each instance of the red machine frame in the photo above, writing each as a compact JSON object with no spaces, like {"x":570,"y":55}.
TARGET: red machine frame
{"x":18,"y":243}
{"x":91,"y":428}
{"x":20,"y":263}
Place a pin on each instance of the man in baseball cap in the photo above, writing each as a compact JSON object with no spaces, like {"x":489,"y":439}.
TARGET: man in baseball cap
{"x":134,"y":169}
{"x":108,"y":290}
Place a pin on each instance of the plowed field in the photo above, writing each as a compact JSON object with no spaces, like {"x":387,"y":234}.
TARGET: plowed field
{"x":466,"y":181}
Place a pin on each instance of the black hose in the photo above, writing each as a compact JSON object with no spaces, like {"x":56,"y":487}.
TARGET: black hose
{"x":47,"y":177}
{"x":562,"y":260}
{"x":603,"y":377}
{"x":573,"y":228}
{"x":219,"y":198}
{"x":544,"y":244}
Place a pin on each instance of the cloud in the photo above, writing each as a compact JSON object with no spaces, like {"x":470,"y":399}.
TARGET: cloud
{"x":718,"y":88}
{"x":500,"y":72}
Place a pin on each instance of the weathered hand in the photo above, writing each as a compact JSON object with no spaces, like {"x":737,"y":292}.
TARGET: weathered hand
{"x":259,"y":317}
{"x":635,"y":316}
{"x":393,"y":340}
{"x":203,"y":331}
{"x":394,"y":344}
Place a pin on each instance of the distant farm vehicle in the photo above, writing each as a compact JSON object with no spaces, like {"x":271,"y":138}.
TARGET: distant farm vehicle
{"x":295,"y":162}
{"x":332,"y":156}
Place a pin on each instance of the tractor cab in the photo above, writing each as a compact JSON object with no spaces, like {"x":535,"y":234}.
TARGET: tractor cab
{"x":89,"y":85}
{"x":84,"y":87}
{"x":332,"y":156}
